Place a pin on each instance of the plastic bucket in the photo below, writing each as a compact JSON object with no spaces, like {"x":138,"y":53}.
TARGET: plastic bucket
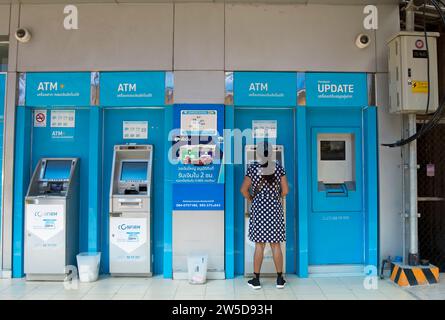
{"x":197,"y":269}
{"x":88,"y":266}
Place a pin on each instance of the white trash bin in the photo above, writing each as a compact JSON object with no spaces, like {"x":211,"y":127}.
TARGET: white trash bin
{"x":88,"y":266}
{"x":197,"y":269}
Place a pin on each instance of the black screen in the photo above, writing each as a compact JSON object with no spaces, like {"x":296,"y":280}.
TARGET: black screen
{"x":333,"y":150}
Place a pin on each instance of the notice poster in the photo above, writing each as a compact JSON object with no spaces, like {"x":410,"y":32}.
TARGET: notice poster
{"x":63,"y":118}
{"x":199,"y":122}
{"x":44,"y":221}
{"x":135,"y":130}
{"x":262,"y":129}
{"x":128,"y":234}
{"x":198,"y":175}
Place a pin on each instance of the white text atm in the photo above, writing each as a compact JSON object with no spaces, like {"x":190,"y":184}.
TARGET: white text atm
{"x":52,"y":219}
{"x":130,"y":211}
{"x":268,"y":266}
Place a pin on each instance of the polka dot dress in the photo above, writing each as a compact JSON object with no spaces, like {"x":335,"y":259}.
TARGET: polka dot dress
{"x":266,"y":223}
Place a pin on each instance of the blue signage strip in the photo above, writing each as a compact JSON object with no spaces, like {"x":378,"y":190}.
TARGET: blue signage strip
{"x":58,"y":89}
{"x":120,"y":89}
{"x":265,"y":89}
{"x":336,"y":89}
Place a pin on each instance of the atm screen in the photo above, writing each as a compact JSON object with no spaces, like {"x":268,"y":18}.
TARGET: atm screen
{"x":333,"y":150}
{"x":134,"y":171}
{"x":57,"y":170}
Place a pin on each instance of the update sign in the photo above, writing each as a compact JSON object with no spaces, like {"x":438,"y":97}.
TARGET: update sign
{"x":336,"y":89}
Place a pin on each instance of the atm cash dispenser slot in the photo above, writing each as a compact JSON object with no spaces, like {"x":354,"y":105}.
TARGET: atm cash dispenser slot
{"x":51,"y":219}
{"x":130,"y":211}
{"x":335,"y":164}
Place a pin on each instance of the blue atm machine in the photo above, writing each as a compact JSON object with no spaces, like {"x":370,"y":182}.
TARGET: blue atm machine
{"x":341,"y":139}
{"x":54,"y":138}
{"x":134,"y":143}
{"x":264,"y":109}
{"x":52,"y":219}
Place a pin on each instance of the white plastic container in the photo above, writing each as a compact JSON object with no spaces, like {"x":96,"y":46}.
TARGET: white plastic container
{"x":197,"y":269}
{"x":88,"y":266}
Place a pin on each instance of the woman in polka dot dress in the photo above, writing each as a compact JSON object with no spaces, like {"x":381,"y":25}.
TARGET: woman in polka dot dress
{"x":268,"y":184}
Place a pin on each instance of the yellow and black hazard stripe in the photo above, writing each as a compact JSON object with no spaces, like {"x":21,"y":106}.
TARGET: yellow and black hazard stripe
{"x":406,"y":276}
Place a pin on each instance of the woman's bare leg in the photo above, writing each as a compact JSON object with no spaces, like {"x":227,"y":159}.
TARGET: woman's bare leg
{"x":277,"y":256}
{"x":258,"y":256}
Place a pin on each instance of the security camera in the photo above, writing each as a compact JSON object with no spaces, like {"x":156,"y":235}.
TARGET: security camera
{"x":23,"y":35}
{"x":362,"y":41}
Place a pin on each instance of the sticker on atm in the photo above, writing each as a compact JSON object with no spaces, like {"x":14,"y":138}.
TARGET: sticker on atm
{"x":128,"y":233}
{"x":420,"y":87}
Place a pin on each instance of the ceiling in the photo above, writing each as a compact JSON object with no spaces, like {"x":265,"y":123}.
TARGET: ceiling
{"x":331,"y":2}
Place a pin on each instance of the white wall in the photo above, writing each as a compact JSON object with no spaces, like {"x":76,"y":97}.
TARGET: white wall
{"x":4,"y":19}
{"x":297,"y":37}
{"x":199,"y":36}
{"x":390,"y":179}
{"x":199,"y":87}
{"x":110,"y":37}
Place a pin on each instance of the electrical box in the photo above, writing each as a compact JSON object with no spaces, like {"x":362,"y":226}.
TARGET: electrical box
{"x":408,"y":72}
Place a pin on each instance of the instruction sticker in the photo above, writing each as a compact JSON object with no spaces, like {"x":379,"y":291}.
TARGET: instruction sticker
{"x":40,"y":118}
{"x":63,"y":118}
{"x":44,"y":221}
{"x":128,"y":233}
{"x":420,"y":87}
{"x":262,"y":129}
{"x":135,"y":129}
{"x":199,"y":122}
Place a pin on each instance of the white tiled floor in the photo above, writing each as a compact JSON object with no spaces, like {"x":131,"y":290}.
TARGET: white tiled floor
{"x":430,"y":292}
{"x":107,"y":288}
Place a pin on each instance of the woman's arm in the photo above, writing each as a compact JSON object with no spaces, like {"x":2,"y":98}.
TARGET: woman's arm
{"x":284,"y":186}
{"x":245,"y":188}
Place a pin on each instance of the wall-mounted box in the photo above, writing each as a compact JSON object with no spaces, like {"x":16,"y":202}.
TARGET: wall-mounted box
{"x":408,"y":72}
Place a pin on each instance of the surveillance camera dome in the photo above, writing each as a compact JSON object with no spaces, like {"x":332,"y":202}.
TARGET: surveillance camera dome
{"x":362,"y":41}
{"x":23,"y":35}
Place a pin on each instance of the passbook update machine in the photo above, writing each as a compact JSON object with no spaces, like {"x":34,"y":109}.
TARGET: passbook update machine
{"x":130,"y":211}
{"x":335,"y":164}
{"x":52,"y":219}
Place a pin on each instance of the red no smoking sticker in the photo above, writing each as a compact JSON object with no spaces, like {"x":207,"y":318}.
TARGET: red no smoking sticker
{"x":40,"y":118}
